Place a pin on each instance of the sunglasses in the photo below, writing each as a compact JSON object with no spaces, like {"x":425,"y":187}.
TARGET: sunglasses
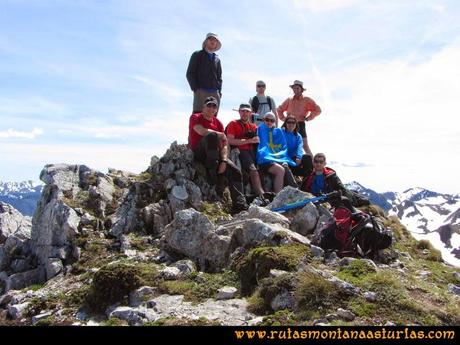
{"x":291,"y":122}
{"x":269,"y":120}
{"x":211,"y":105}
{"x":260,"y":85}
{"x":319,"y":162}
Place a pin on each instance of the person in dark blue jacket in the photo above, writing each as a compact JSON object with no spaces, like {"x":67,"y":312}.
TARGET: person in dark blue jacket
{"x":295,"y":148}
{"x":204,"y":73}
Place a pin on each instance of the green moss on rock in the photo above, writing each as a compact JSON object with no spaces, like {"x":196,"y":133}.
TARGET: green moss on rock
{"x":257,"y":264}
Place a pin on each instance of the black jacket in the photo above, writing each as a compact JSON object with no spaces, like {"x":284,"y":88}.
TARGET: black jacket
{"x":202,"y":73}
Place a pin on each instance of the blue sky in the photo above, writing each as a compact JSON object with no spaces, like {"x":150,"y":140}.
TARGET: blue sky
{"x":102,"y":83}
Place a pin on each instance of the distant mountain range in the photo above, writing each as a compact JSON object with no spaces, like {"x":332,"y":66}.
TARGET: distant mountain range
{"x":426,"y":214}
{"x":23,"y":196}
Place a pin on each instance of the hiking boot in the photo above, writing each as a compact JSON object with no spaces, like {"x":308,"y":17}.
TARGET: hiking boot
{"x":239,"y":207}
{"x":260,"y":201}
{"x":269,"y":196}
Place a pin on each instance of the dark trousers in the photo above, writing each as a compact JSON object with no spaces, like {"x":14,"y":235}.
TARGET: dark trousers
{"x":208,"y":153}
{"x":305,"y":168}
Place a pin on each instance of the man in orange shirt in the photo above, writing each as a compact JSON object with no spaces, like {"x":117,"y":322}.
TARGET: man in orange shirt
{"x":302,"y":108}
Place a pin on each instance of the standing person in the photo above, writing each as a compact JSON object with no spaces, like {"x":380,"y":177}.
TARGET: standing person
{"x":243,"y":135}
{"x":204,"y":72}
{"x":295,"y":148}
{"x":272,"y":153}
{"x":210,"y":147}
{"x":302,"y":108}
{"x":261,"y":104}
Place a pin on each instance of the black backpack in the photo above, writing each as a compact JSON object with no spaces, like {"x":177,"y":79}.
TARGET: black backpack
{"x":353,"y":234}
{"x":255,"y":103}
{"x":358,"y":199}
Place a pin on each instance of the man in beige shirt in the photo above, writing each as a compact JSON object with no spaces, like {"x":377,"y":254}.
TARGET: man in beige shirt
{"x":302,"y":108}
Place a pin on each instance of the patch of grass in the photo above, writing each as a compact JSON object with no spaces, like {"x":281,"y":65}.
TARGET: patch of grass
{"x":356,"y":271}
{"x":115,"y":322}
{"x":199,"y":287}
{"x":48,"y":321}
{"x":393,"y":301}
{"x":214,"y":212}
{"x":280,"y":318}
{"x":269,"y":288}
{"x":427,"y":251}
{"x":257,"y":264}
{"x":361,"y":308}
{"x":111,"y":284}
{"x":143,"y":177}
{"x":314,"y":293}
{"x":34,"y":287}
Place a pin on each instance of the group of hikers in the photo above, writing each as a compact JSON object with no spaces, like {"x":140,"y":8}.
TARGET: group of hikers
{"x":254,"y":145}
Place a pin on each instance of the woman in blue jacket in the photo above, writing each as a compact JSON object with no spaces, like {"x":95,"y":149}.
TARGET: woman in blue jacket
{"x":294,"y":143}
{"x":272,"y":154}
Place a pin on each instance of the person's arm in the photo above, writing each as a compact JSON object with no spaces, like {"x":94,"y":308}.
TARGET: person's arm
{"x":339,"y":186}
{"x":191,"y":71}
{"x":273,"y":106}
{"x":314,"y":109}
{"x":219,"y":77}
{"x":299,"y":151}
{"x":281,"y":109}
{"x":205,"y":131}
{"x":223,"y":157}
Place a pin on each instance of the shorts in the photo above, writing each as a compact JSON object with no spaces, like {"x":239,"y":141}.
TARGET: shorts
{"x":301,"y":129}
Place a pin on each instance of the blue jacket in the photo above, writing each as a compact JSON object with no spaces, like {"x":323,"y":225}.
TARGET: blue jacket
{"x":272,"y":146}
{"x":294,"y":144}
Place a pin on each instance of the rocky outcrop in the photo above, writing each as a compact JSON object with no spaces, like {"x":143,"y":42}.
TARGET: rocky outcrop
{"x":15,"y":249}
{"x":193,"y":235}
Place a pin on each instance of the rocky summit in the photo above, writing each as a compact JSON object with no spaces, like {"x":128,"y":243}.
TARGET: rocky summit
{"x":161,"y":248}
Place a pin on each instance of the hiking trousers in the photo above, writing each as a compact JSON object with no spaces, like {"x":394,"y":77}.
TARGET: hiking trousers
{"x":208,"y":153}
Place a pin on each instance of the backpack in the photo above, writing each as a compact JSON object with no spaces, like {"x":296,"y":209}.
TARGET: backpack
{"x":255,"y":103}
{"x":358,"y":199}
{"x":353,"y":234}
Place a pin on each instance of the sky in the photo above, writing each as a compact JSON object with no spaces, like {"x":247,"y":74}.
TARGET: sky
{"x":102,"y":83}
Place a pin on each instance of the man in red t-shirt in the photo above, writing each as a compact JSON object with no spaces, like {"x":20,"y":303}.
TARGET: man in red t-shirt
{"x":243,"y":135}
{"x":210,"y":147}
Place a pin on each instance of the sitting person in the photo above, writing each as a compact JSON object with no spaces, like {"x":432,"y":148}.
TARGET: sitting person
{"x":272,"y":154}
{"x":243,"y":135}
{"x":294,"y":142}
{"x":324,"y":180}
{"x":210,"y":147}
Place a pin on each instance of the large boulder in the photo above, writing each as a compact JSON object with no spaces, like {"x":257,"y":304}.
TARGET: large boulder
{"x":194,"y":236}
{"x":15,"y":234}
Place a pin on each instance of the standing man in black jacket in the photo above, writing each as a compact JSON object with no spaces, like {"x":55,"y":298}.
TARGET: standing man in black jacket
{"x":204,"y":73}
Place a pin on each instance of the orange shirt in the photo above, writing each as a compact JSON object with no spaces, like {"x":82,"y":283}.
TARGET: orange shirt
{"x":299,"y":107}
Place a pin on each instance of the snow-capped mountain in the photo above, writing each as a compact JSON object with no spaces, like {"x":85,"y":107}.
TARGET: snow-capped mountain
{"x":23,"y":196}
{"x":426,"y":214}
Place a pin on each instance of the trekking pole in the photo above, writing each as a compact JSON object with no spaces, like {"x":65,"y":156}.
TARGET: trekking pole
{"x":301,"y":203}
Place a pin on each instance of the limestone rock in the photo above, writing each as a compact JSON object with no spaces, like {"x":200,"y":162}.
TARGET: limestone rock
{"x":226,"y":292}
{"x":346,"y":314}
{"x":193,"y":235}
{"x":284,"y":300}
{"x":268,"y":216}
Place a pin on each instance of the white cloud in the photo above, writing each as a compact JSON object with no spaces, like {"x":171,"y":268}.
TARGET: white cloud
{"x":11,"y":133}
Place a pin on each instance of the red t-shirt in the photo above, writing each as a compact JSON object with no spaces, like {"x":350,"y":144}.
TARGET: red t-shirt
{"x":197,"y":119}
{"x":239,"y":129}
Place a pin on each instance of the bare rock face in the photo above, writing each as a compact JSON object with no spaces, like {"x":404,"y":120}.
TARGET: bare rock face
{"x":303,"y":219}
{"x":193,"y":235}
{"x":71,"y":192}
{"x":15,"y":232}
